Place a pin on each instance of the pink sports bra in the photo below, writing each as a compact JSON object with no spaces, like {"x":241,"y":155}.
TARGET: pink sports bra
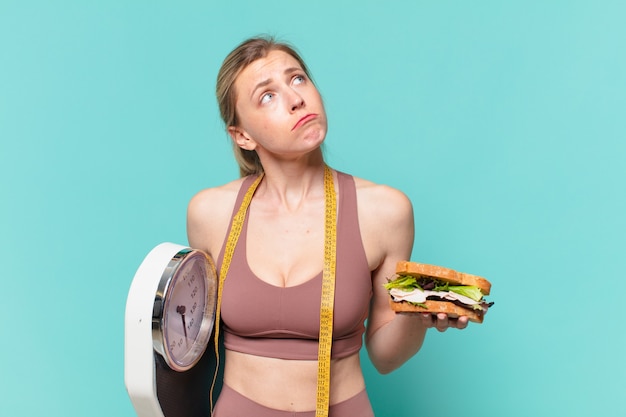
{"x":265,"y":320}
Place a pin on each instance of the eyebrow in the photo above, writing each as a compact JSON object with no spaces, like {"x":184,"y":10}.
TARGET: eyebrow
{"x":267,"y":82}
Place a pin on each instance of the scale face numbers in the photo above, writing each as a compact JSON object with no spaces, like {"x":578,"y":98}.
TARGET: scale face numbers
{"x":184,"y":309}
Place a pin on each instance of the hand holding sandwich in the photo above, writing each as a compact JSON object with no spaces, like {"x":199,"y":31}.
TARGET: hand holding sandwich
{"x":441,"y":321}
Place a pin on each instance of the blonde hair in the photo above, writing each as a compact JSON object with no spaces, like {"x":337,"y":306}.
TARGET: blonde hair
{"x":243,"y":55}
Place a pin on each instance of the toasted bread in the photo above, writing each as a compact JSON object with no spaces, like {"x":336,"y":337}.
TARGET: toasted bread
{"x":434,"y":307}
{"x":441,"y":273}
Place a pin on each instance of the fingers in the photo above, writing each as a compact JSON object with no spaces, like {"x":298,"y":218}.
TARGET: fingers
{"x":442,"y":322}
{"x":462,"y":322}
{"x":427,"y":320}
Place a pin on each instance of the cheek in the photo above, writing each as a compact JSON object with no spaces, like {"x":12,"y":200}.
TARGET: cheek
{"x":248,"y":119}
{"x":320,"y":102}
{"x":260,"y":126}
{"x":263,"y":122}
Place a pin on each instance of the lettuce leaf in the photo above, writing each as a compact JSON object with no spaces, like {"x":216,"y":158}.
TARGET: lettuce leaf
{"x":418,"y":304}
{"x":470,"y":291}
{"x":408,"y":283}
{"x":404,"y":283}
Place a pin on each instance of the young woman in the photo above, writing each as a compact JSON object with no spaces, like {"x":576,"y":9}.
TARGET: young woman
{"x":271,"y":298}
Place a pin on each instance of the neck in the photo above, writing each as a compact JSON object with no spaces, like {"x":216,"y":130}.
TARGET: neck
{"x":291,"y":183}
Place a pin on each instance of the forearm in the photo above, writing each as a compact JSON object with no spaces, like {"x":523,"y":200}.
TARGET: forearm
{"x":395,"y":342}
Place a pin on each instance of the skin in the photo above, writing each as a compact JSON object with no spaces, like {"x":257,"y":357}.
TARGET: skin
{"x":286,"y":234}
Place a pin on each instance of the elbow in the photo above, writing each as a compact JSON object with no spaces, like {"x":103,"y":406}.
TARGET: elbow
{"x":385,"y":366}
{"x":383,"y":359}
{"x":385,"y":369}
{"x":388,"y":360}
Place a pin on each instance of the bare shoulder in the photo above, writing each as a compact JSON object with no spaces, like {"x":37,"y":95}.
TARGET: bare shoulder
{"x":215,"y":198}
{"x":382,"y":203}
{"x":208,"y":216}
{"x":386,"y":222}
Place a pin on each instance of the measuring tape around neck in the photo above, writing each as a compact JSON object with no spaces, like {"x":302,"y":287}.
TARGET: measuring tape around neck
{"x":328,"y":285}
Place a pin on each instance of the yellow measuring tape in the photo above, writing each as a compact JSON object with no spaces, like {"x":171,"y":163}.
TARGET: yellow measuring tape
{"x":231,"y":242}
{"x":328,"y":296}
{"x":328,"y":285}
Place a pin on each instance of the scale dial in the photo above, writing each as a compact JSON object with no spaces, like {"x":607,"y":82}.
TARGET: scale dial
{"x":184,"y":309}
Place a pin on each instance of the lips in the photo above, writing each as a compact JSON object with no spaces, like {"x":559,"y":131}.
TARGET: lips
{"x":304,"y":120}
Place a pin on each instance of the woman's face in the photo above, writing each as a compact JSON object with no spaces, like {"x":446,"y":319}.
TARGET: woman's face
{"x":279,"y":108}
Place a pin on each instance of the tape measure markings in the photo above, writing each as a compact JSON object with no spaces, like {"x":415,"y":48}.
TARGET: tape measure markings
{"x":328,"y":296}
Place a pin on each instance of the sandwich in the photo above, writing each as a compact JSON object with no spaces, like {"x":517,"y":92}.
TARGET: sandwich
{"x":422,"y":288}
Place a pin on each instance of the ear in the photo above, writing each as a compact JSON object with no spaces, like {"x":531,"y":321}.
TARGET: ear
{"x":241,"y":138}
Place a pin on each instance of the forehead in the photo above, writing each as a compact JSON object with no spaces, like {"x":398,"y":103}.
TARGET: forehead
{"x":272,"y":66}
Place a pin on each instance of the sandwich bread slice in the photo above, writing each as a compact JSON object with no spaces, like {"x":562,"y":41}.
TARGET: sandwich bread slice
{"x":423,"y":288}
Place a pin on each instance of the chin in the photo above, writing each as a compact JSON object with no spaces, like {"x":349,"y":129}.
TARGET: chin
{"x":315,"y":133}
{"x":315,"y":142}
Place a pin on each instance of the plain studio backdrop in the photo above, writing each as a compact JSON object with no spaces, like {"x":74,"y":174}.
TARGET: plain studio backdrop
{"x":504,"y":122}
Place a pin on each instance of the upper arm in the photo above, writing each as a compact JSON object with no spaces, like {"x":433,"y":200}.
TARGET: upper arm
{"x":393,"y":227}
{"x":208,"y":218}
{"x":198,"y":211}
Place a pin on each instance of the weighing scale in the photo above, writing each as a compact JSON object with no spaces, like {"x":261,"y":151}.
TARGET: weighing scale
{"x":170,"y":313}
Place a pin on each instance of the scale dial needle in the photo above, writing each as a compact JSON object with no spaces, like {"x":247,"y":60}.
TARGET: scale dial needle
{"x":181,"y":310}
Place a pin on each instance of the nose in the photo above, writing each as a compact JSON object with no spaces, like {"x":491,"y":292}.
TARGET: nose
{"x":296,"y":101}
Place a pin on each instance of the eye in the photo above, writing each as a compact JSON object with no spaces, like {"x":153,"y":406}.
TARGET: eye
{"x":266,"y":98}
{"x":298,"y":79}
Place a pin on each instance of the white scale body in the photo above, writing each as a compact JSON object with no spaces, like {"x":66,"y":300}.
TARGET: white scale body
{"x":170,"y":314}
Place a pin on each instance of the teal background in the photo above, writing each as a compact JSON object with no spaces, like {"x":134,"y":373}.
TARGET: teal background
{"x":504,"y":122}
